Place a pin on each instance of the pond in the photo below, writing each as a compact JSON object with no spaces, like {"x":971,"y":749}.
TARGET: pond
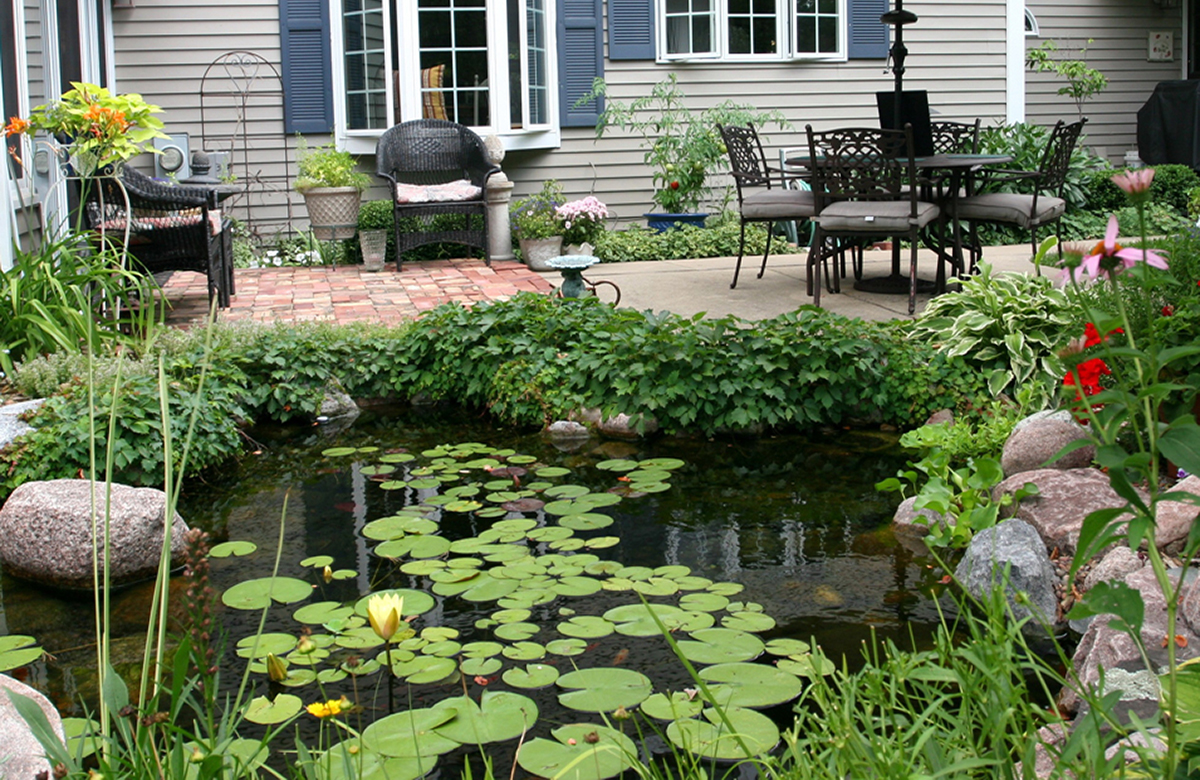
{"x":782,"y":537}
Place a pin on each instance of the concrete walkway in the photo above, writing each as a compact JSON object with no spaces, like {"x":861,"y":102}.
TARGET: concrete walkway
{"x":686,"y":287}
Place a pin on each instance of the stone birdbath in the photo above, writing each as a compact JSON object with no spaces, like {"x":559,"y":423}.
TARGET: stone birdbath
{"x":572,"y":268}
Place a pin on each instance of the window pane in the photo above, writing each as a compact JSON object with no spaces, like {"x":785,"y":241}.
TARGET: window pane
{"x":365,"y":68}
{"x":806,"y":36}
{"x":828,"y":6}
{"x":703,"y":37}
{"x":455,"y":39}
{"x":470,"y":29}
{"x":677,"y":6}
{"x":805,"y":7}
{"x":827,"y":35}
{"x":739,"y":6}
{"x":689,"y":25}
{"x":739,"y":35}
{"x":539,"y":81}
{"x":764,"y":36}
{"x":435,"y":30}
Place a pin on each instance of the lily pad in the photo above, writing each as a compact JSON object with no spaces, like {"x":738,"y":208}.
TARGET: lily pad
{"x":258,"y":646}
{"x":648,"y":475}
{"x":576,"y":586}
{"x":750,"y":685}
{"x":567,"y":545}
{"x":704,"y":602}
{"x":552,"y":471}
{"x":425,"y":669}
{"x":379,"y":470}
{"x":481,"y":667}
{"x":579,"y":751}
{"x":603,"y":689}
{"x":597,"y":500}
{"x":566,"y":647}
{"x":322,"y":612}
{"x":410,"y":734}
{"x":258,"y":593}
{"x":586,"y":521}
{"x":339,"y":452}
{"x":416,"y":602}
{"x":720,"y":645}
{"x":749,"y":621}
{"x":675,"y":706}
{"x":567,"y":491}
{"x":516,"y":632}
{"x":586,"y":627}
{"x":511,"y":615}
{"x":481,"y":649}
{"x":617,"y":464}
{"x":656,"y":586}
{"x":396,"y":457}
{"x":414,"y":547}
{"x":338,"y":763}
{"x":532,"y":676}
{"x":17,"y":650}
{"x":235,"y":549}
{"x":726,"y":588}
{"x":525,"y":651}
{"x":269,"y":712}
{"x":711,"y":738}
{"x":523,"y":505}
{"x":807,"y":665}
{"x":552,"y":533}
{"x":787,"y":646}
{"x":500,"y":716}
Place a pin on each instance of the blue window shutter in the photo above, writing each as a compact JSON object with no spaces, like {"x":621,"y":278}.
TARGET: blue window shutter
{"x":307,"y":78}
{"x":580,"y":60}
{"x":868,"y":37}
{"x":631,"y":29}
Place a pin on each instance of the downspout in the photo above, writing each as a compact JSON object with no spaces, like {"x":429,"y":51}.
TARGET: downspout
{"x":1014,"y":61}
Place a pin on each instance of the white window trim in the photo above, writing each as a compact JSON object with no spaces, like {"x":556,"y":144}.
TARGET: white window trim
{"x":1034,"y":31}
{"x":545,"y":136}
{"x":785,"y":11}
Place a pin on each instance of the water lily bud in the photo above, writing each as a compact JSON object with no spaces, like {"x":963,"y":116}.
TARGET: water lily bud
{"x":327,"y":575}
{"x":305,"y":646}
{"x":197,"y":755}
{"x":620,"y":713}
{"x":276,"y":668}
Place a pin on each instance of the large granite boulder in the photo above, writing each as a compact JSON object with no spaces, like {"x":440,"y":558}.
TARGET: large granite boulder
{"x":11,"y":424}
{"x":911,"y":525}
{"x":46,"y":532}
{"x":1064,"y":499}
{"x":22,"y":757}
{"x":1032,"y":445}
{"x":1104,"y":647}
{"x":1173,"y":519}
{"x":1013,"y":547}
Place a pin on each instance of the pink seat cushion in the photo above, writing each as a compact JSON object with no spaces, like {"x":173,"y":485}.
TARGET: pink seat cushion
{"x":438,"y":193}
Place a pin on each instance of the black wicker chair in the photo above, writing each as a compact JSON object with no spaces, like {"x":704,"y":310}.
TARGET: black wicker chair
{"x":173,"y":228}
{"x":438,"y":172}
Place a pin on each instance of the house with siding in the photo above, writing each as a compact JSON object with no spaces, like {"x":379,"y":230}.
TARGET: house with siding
{"x":244,"y":78}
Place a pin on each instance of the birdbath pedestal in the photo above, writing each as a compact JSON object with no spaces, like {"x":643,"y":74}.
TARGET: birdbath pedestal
{"x":572,"y":268}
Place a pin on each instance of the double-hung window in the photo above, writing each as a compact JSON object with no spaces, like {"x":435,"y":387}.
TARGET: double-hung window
{"x":754,"y":30}
{"x":481,"y":63}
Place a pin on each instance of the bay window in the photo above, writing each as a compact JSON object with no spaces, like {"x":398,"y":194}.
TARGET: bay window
{"x":481,"y":63}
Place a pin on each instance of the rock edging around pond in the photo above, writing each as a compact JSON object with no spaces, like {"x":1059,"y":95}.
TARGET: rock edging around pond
{"x":1043,"y":529}
{"x":46,"y":532}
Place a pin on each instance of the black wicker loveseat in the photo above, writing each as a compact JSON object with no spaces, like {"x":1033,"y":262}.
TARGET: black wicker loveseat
{"x":438,"y":172}
{"x":171,"y":228}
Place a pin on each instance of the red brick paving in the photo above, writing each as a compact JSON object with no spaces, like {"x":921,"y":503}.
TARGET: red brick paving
{"x":350,"y":294}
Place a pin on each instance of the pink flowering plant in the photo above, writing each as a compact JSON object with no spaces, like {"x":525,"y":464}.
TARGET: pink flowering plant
{"x":582,"y":220}
{"x":1129,"y":380}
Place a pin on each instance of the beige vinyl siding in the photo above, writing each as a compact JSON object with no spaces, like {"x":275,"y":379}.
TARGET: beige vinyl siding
{"x":1118,"y":29}
{"x":163,"y":49}
{"x":956,"y":52}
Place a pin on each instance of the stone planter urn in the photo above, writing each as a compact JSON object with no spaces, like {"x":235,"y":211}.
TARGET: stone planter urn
{"x":537,"y":251}
{"x":333,"y":212}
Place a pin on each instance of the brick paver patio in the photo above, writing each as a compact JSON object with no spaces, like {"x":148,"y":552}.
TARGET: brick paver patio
{"x":350,"y":294}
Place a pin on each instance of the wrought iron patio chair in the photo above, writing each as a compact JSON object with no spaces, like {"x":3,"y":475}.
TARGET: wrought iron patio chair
{"x":863,"y":180}
{"x":1041,"y":204}
{"x":438,"y":171}
{"x":955,"y":137}
{"x":761,"y":190}
{"x":167,"y":228}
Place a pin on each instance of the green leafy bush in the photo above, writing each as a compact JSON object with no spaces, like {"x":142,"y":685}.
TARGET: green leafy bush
{"x":720,"y":239}
{"x":1027,"y":144}
{"x":1171,"y":185}
{"x":978,"y":433}
{"x":1007,"y":326}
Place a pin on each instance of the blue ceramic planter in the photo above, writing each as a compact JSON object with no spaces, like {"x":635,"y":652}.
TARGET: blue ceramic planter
{"x":661,"y":223}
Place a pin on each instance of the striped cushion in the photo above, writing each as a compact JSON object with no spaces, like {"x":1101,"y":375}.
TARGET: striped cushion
{"x":433,"y":103}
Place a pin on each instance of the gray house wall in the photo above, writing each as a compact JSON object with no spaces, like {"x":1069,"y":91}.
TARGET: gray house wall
{"x":1118,"y":29}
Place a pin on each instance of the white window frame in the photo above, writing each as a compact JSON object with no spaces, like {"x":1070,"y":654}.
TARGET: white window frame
{"x":362,"y":141}
{"x":785,"y":12}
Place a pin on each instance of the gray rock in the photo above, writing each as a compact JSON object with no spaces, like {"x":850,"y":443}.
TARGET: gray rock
{"x":46,"y":532}
{"x":567,"y":429}
{"x":1034,"y":444}
{"x":1117,"y":564}
{"x":1064,"y":499}
{"x":1013,"y":546}
{"x":1174,"y":519}
{"x":941,"y":417}
{"x":589,"y":416}
{"x":23,"y":757}
{"x":337,"y":402}
{"x":10,"y":426}
{"x":1107,"y":648}
{"x":1049,"y":414}
{"x":915,"y":523}
{"x":624,"y":426}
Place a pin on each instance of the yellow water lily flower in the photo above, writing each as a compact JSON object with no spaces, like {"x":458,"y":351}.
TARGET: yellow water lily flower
{"x":328,"y":709}
{"x":385,"y":610}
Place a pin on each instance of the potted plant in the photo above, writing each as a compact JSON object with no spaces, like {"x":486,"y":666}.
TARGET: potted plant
{"x":682,"y":145}
{"x":537,"y":226}
{"x":583,"y":222}
{"x":332,"y":187}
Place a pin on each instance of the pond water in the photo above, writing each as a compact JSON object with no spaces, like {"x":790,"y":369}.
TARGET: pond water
{"x":795,"y":521}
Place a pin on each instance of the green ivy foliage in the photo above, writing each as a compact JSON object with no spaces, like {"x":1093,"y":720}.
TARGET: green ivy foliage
{"x":1170,"y":189}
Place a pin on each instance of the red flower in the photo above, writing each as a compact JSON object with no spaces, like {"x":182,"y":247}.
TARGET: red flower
{"x":1168,"y":310}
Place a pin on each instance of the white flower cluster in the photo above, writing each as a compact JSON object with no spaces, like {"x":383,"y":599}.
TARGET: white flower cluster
{"x":588,"y":208}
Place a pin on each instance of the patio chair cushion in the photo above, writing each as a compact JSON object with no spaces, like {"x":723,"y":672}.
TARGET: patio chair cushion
{"x":778,"y":204}
{"x":1010,"y":207}
{"x":454,"y":191}
{"x":888,"y":216}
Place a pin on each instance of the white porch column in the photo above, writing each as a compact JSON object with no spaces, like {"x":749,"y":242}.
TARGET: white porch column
{"x":1015,"y":61}
{"x":498,"y":195}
